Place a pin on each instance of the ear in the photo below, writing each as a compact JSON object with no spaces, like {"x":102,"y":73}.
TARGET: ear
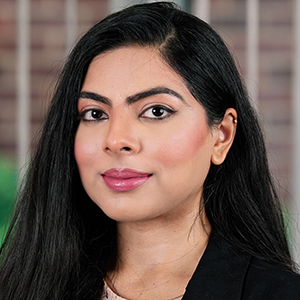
{"x":225,"y":135}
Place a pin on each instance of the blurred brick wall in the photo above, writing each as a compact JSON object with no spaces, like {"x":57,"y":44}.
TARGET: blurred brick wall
{"x":275,"y":72}
{"x":48,"y":52}
{"x":7,"y":76}
{"x":48,"y":46}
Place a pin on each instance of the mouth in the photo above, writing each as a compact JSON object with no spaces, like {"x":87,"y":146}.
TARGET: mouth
{"x":123,"y":180}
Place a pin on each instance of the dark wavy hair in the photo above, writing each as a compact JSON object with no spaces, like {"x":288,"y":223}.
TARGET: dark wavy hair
{"x":60,"y":244}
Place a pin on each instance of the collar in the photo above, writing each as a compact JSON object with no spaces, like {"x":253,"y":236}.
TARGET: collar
{"x":220,"y":273}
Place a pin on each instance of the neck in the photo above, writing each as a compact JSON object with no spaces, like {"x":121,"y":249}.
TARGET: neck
{"x":160,"y":254}
{"x":159,"y":242}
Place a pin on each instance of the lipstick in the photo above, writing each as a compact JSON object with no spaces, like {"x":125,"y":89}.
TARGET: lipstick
{"x":123,"y":180}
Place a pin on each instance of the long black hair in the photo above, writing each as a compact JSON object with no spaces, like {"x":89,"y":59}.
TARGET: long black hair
{"x":60,"y":244}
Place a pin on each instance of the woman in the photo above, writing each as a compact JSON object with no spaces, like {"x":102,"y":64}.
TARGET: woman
{"x":150,"y":180}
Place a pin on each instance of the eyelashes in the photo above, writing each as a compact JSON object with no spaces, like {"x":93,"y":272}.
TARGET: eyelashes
{"x":154,"y":112}
{"x":157,"y":112}
{"x":92,"y":114}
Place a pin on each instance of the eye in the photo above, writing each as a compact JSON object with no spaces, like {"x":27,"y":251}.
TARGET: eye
{"x":157,"y":112}
{"x":93,"y":115}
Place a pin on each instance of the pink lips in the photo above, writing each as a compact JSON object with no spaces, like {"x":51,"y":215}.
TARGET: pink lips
{"x":124,"y":179}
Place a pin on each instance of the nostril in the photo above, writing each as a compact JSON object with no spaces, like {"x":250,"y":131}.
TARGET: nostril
{"x":126,"y":148}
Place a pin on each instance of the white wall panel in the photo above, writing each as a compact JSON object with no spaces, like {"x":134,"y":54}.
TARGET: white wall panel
{"x":23,"y":84}
{"x":295,"y":210}
{"x":252,"y":33}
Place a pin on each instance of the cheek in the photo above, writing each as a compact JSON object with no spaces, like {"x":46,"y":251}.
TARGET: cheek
{"x":85,"y":150}
{"x":183,"y":145}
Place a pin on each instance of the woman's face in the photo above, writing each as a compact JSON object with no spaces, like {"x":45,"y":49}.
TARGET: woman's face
{"x":143,"y":147}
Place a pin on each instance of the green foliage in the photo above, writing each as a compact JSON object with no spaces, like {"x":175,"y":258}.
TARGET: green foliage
{"x":8,"y":188}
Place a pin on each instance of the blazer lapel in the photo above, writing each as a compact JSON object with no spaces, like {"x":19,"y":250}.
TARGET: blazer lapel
{"x":220,"y":273}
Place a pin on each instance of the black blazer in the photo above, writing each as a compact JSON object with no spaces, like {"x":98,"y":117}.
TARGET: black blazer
{"x":225,"y":272}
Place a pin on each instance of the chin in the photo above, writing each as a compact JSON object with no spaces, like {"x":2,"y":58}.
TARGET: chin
{"x":130,"y":214}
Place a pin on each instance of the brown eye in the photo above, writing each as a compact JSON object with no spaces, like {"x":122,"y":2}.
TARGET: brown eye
{"x":96,"y":114}
{"x":158,"y":112}
{"x":93,"y":115}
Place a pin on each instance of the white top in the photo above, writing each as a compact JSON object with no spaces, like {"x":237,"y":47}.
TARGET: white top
{"x":109,"y":294}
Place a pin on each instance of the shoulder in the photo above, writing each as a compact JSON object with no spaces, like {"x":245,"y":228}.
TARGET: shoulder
{"x":268,"y":281}
{"x":226,"y":272}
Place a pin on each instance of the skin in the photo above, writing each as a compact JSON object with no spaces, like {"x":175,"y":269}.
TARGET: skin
{"x":161,"y":237}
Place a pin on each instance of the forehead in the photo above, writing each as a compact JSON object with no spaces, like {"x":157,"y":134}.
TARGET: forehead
{"x":135,"y":56}
{"x":128,"y":68}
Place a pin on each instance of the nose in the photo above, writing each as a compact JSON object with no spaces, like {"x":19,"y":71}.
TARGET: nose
{"x":121,"y":137}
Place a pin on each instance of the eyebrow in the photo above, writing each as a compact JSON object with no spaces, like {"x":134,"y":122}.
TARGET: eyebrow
{"x":152,"y":92}
{"x":132,"y":99}
{"x":96,"y":97}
